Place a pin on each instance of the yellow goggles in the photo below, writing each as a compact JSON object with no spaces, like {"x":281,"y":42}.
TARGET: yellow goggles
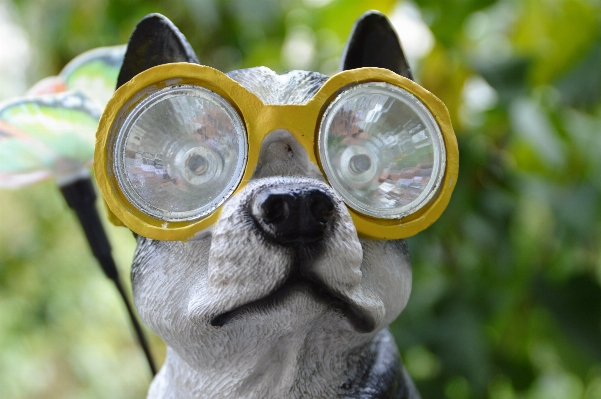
{"x":176,"y":141}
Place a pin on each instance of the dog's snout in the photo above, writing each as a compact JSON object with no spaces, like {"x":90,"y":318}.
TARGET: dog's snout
{"x":293,"y":215}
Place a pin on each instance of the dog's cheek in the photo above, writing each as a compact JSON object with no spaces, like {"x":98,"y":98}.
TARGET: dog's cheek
{"x":339,"y":264}
{"x":387,"y":272}
{"x":162,"y":275}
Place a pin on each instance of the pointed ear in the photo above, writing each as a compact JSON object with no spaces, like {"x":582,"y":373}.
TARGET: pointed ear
{"x":154,"y":41}
{"x":374,"y":43}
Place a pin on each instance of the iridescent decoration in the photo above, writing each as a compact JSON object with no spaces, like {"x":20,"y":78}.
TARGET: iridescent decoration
{"x":180,"y":153}
{"x":51,"y":131}
{"x":93,"y":72}
{"x":382,"y":150}
{"x":45,"y":136}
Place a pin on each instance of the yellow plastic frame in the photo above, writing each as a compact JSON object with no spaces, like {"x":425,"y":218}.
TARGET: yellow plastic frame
{"x":302,"y":121}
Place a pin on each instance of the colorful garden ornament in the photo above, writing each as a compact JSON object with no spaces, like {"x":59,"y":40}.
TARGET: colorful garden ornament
{"x":49,"y":133}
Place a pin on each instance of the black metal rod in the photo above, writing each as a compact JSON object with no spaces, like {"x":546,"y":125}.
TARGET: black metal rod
{"x":81,"y":196}
{"x":137,"y":328}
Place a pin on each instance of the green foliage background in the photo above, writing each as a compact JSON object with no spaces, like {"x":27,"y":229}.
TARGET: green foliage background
{"x":506,"y":300}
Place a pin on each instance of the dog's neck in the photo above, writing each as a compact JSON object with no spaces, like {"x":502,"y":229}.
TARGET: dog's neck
{"x":297,"y":367}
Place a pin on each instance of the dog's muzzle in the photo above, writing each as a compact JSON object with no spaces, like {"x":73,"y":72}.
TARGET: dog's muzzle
{"x":292,"y":214}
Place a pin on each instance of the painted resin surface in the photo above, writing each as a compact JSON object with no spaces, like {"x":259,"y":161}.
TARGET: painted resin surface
{"x":251,"y":309}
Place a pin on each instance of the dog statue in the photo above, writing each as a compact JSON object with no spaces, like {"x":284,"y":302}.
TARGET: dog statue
{"x":279,"y":297}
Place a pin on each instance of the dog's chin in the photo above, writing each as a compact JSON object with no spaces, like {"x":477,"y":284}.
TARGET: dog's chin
{"x":300,"y":301}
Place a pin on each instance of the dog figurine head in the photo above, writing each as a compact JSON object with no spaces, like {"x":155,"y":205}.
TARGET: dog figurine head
{"x":279,"y":297}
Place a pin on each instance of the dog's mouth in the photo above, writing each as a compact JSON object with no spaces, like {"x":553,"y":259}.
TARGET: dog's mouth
{"x":360,"y":320}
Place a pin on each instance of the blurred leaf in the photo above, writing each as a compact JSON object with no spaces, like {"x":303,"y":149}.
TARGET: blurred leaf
{"x":581,"y":87}
{"x":446,"y":18}
{"x":507,"y":77}
{"x":339,"y":16}
{"x":444,"y":75}
{"x":577,"y":306}
{"x":555,"y":34}
{"x":532,"y":125}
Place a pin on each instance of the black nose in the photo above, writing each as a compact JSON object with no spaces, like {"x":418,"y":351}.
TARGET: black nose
{"x":292,"y":215}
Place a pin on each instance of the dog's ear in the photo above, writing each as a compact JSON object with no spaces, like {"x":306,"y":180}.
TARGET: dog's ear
{"x":374,"y":43}
{"x":154,"y":41}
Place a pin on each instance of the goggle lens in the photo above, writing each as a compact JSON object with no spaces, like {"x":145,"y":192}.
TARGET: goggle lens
{"x":381,"y":150}
{"x":180,"y":153}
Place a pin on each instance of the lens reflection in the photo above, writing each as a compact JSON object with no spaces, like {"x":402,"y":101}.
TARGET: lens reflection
{"x":180,"y":153}
{"x":382,"y":150}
